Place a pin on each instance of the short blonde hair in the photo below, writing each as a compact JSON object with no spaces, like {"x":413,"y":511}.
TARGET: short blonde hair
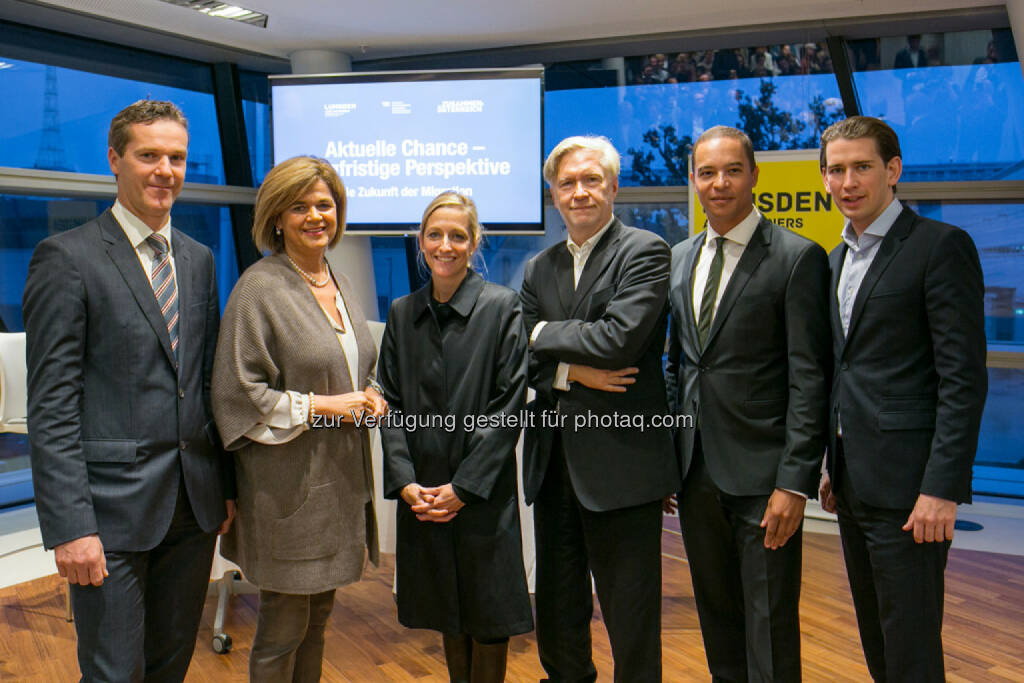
{"x":453,"y":199}
{"x":283,"y":185}
{"x":594,"y":143}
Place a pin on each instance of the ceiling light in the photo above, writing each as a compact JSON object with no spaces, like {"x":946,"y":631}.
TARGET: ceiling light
{"x":223,"y":10}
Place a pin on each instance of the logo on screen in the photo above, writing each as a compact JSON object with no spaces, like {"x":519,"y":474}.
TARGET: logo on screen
{"x":333,"y":110}
{"x":460,"y":107}
{"x":397,"y":106}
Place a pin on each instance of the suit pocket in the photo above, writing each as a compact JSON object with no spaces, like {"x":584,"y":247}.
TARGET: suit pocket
{"x":109,"y":450}
{"x":312,"y":531}
{"x":598,"y":302}
{"x":906,"y":412}
{"x":772,"y":407}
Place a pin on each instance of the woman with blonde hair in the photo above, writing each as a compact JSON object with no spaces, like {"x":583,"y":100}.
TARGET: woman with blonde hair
{"x":295,"y":353}
{"x":457,"y":348}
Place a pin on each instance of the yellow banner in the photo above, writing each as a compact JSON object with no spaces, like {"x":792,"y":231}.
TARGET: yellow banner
{"x":789,"y":192}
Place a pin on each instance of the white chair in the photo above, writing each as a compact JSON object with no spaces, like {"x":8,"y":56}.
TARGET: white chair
{"x":13,"y":390}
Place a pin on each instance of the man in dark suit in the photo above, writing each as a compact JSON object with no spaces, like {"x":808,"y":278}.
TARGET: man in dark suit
{"x":911,"y":56}
{"x":595,"y":468}
{"x":749,"y":356}
{"x":121,"y":316}
{"x":909,"y":386}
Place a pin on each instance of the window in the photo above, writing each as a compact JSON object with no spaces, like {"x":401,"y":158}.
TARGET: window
{"x":57,"y":119}
{"x":782,"y":96}
{"x":955,"y":99}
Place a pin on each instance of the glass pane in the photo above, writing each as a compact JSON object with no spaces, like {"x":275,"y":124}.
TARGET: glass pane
{"x":24,"y":221}
{"x":999,"y":465}
{"x":57,"y":118}
{"x":998,"y":233}
{"x":653,"y":121}
{"x":390,"y":272}
{"x":15,"y":473}
{"x":956,"y":100}
{"x":256,"y":109}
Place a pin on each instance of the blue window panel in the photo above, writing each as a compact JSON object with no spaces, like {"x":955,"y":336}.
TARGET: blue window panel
{"x":390,"y":272}
{"x":999,"y":465}
{"x":998,"y":233}
{"x":632,"y":116}
{"x":57,"y":119}
{"x":962,"y":122}
{"x":25,"y":221}
{"x":257,"y":132}
{"x":15,"y":475}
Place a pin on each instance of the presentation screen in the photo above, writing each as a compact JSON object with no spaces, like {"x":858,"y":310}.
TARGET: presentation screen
{"x":397,"y":139}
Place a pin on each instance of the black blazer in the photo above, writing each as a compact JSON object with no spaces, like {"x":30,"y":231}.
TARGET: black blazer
{"x":109,"y":417}
{"x":615,"y":318}
{"x":910,"y":378}
{"x":759,"y":387}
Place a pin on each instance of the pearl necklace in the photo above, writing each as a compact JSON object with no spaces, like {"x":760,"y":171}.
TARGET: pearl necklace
{"x":312,"y":280}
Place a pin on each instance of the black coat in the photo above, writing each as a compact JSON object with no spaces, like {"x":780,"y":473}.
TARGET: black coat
{"x":464,"y":576}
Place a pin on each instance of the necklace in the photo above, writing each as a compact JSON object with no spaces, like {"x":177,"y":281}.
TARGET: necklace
{"x":312,"y":280}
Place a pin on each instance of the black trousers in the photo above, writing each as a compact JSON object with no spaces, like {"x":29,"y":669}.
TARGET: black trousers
{"x":748,"y":596}
{"x":141,"y":624}
{"x":622,"y":549}
{"x":897,"y":588}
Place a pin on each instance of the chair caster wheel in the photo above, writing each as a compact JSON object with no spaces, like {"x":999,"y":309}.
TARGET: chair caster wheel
{"x":222,"y":643}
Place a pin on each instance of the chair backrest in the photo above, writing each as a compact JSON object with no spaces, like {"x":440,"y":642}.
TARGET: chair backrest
{"x":13,"y":388}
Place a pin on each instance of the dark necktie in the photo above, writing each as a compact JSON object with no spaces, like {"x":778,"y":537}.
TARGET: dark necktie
{"x":164,"y":287}
{"x":707,"y":302}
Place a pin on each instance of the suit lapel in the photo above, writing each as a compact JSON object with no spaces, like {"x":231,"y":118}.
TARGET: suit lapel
{"x":563,"y":278}
{"x":890,"y":246}
{"x":125,"y":258}
{"x":183,"y":274}
{"x":836,"y":260}
{"x":597,"y":262}
{"x":755,"y":251}
{"x":690,"y":316}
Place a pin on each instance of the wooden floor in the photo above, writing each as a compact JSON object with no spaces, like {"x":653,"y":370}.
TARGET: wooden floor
{"x":983,"y":628}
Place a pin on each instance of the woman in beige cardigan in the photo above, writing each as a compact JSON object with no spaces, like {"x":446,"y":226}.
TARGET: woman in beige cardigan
{"x":294,"y":362}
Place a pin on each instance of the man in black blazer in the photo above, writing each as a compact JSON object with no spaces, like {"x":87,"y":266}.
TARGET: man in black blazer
{"x":749,"y":357}
{"x":130,"y":484}
{"x":908,"y":336}
{"x":596,"y":464}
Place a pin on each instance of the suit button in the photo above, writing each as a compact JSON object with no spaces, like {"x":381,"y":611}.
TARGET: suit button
{"x":182,"y":445}
{"x":844,"y":366}
{"x":181,"y":393}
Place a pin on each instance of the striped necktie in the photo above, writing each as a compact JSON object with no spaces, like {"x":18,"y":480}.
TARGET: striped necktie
{"x":164,"y":287}
{"x":707,"y":302}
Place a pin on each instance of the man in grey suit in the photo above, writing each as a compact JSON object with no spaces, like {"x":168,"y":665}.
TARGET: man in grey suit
{"x":749,"y":356}
{"x":131,"y":486}
{"x":908,"y":390}
{"x":596,"y":466}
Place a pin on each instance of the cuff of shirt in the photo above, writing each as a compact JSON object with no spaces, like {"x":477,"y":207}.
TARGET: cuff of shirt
{"x":561,"y":377}
{"x":799,"y":493}
{"x":536,"y":331}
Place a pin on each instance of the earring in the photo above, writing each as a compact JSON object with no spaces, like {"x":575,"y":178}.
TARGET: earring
{"x":277,"y":231}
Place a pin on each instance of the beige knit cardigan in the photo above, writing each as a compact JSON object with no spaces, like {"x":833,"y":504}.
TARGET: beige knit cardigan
{"x":305,"y":507}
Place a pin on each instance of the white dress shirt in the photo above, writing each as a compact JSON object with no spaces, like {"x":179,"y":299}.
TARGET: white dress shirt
{"x":735,"y":243}
{"x":136,"y":231}
{"x":580,"y":254}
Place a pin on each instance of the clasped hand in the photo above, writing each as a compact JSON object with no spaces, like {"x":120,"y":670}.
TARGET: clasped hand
{"x":351,"y":405}
{"x":432,"y":504}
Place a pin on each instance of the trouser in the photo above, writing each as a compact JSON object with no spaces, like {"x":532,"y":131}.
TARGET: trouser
{"x":897,"y":586}
{"x":748,"y":596}
{"x":622,"y":549}
{"x":289,"y":640}
{"x":141,"y":624}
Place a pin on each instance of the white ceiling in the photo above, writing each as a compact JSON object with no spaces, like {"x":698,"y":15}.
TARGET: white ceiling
{"x":390,"y":28}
